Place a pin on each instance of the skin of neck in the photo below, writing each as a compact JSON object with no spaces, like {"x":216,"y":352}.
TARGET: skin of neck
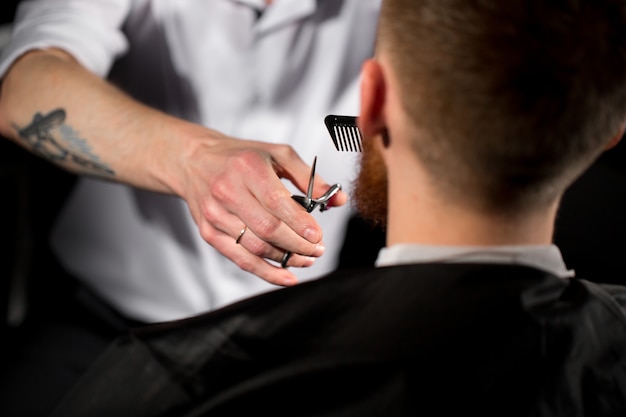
{"x":419,"y":213}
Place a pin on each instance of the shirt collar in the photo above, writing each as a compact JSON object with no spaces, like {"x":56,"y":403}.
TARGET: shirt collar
{"x":545,"y":257}
{"x":280,"y":12}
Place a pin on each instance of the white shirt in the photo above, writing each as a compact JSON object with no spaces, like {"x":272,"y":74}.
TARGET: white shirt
{"x":214,"y":62}
{"x":545,"y":257}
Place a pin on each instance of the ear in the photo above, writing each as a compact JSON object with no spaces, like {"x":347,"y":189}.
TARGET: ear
{"x":615,"y":140}
{"x":373,"y":94}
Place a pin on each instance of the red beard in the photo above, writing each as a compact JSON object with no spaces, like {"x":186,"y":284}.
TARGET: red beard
{"x":370,"y":187}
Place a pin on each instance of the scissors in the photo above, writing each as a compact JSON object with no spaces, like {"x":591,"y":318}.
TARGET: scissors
{"x":309,"y":203}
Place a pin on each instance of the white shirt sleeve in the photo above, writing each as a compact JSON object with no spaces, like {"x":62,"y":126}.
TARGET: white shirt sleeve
{"x":90,"y":30}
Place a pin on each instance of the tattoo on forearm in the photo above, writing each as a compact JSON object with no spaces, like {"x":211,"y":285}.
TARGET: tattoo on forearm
{"x":50,"y":138}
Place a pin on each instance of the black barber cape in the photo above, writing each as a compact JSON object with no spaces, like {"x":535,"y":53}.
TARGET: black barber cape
{"x":431,"y":339}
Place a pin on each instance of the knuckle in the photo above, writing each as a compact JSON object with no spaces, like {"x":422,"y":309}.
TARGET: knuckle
{"x":207,"y":233}
{"x":256,"y":247}
{"x":221,"y":190}
{"x":286,"y":151}
{"x":274,"y":199}
{"x":245,"y":264}
{"x":267,"y":228}
{"x":246,"y":159}
{"x":209,"y":214}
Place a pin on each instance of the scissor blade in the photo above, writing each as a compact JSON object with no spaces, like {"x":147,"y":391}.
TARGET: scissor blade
{"x":309,"y":193}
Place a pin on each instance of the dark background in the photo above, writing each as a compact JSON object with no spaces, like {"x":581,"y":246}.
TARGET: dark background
{"x":7,"y":11}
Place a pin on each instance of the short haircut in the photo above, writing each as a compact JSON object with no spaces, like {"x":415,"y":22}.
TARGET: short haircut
{"x":518,"y":96}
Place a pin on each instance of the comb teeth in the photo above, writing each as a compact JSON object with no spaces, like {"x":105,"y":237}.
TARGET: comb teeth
{"x":344,"y":132}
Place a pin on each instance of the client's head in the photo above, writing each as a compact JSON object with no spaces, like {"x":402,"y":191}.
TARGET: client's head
{"x":501,"y":103}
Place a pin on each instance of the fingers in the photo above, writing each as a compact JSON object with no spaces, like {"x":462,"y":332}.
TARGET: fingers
{"x":284,"y":224}
{"x":254,"y":245}
{"x":237,"y":198}
{"x":254,"y":264}
{"x":290,"y":166}
{"x":264,"y":204}
{"x":257,"y":257}
{"x":223,"y":231}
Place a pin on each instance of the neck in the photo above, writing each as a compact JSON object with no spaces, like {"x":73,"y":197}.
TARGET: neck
{"x":417,"y":214}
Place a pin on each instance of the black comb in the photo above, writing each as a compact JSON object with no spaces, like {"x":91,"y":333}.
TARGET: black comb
{"x":344,"y":132}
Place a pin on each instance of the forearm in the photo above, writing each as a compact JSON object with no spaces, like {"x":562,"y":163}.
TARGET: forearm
{"x":56,"y":109}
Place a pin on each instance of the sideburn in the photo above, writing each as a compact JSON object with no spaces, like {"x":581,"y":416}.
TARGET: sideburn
{"x":370,"y":188}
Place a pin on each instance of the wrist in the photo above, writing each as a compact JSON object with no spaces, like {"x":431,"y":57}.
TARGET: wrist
{"x":181,"y":149}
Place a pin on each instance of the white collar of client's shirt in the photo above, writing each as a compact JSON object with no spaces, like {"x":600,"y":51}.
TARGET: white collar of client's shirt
{"x":545,"y":257}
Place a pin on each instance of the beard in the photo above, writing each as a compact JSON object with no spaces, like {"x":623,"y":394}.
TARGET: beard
{"x":370,"y":187}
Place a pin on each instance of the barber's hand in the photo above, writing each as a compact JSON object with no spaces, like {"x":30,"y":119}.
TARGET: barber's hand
{"x":228,"y":184}
{"x":231,"y":185}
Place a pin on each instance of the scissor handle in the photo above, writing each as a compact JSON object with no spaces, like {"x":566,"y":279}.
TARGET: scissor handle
{"x":309,"y":204}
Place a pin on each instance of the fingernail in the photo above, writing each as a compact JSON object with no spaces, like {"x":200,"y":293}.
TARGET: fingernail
{"x":289,"y":281}
{"x":312,"y":235}
{"x":319,"y":250}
